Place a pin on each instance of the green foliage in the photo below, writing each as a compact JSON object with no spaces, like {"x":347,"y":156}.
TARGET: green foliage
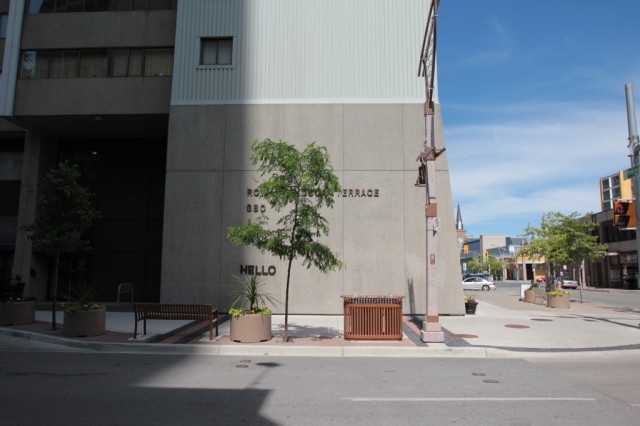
{"x":250,"y":293}
{"x":558,"y":293}
{"x":302,"y":182}
{"x":64,"y":211}
{"x":83,"y":292}
{"x":297,"y":184}
{"x":244,"y":311}
{"x":470,"y":299}
{"x":475,"y":264}
{"x":563,"y":239}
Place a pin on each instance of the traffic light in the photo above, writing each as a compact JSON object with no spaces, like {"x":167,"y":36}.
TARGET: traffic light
{"x":466,"y":249}
{"x":624,"y":214}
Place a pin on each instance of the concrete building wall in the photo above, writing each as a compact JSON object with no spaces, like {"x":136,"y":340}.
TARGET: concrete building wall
{"x":92,"y":96}
{"x":342,"y":74}
{"x":316,"y":51}
{"x":99,"y":30}
{"x":378,"y":225}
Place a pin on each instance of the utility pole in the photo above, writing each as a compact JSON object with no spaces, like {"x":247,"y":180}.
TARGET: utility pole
{"x":634,"y":148}
{"x":431,"y":330}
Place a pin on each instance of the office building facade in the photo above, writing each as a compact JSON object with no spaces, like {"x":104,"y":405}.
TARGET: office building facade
{"x":158,"y":102}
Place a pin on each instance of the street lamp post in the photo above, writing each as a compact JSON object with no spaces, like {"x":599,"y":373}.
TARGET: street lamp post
{"x":431,"y":330}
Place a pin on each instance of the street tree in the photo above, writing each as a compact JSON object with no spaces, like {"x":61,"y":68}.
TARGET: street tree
{"x":64,"y":212}
{"x":563,"y":240}
{"x":297,"y":184}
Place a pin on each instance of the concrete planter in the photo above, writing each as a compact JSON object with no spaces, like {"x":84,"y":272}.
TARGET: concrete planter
{"x":18,"y":313}
{"x":530,"y":296}
{"x":252,"y":328}
{"x":561,"y":301}
{"x":84,"y":323}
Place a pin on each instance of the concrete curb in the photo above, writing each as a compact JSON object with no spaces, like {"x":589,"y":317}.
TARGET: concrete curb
{"x":432,"y":351}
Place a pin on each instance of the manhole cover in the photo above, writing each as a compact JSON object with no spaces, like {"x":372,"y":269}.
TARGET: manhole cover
{"x":464,"y":336}
{"x":491,"y":381}
{"x":242,"y":366}
{"x":516,"y":326}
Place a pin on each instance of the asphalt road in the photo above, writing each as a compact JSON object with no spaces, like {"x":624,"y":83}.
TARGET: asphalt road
{"x":45,"y":384}
{"x":73,"y":388}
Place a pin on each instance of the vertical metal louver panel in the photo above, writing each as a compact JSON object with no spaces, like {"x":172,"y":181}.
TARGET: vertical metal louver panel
{"x":301,"y":51}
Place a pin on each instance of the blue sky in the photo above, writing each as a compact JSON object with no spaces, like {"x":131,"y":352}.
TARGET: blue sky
{"x":533,"y":103}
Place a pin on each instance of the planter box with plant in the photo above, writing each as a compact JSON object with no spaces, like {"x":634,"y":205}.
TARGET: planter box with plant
{"x":84,"y":318}
{"x":530,"y":294}
{"x":470,"y":305}
{"x":250,"y":324}
{"x":558,"y":299}
{"x":14,"y":309}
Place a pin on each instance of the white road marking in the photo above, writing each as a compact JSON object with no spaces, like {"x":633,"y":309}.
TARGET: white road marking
{"x":467,"y":399}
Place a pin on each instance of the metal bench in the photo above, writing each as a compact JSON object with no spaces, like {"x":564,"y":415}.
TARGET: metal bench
{"x":174,"y":311}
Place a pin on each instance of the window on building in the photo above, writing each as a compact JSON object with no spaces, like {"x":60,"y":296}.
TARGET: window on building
{"x":35,"y":64}
{"x":605,"y":183}
{"x":64,"y":64}
{"x":136,"y":58}
{"x":97,"y":5}
{"x":94,"y":63}
{"x":616,"y":192}
{"x":119,"y":62}
{"x":216,"y":51}
{"x":615,"y":181}
{"x":156,"y":62}
{"x":4,"y":22}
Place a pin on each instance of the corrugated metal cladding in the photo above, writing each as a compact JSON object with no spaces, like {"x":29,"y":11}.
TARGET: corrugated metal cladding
{"x":301,"y":51}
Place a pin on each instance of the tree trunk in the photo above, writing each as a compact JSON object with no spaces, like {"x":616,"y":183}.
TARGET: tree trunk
{"x":286,"y":303}
{"x":55,"y":291}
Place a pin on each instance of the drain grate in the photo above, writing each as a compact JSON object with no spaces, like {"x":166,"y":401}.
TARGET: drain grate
{"x":516,"y":326}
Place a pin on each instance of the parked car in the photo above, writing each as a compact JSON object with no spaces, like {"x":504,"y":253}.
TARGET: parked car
{"x":484,"y":275}
{"x":541,"y":279}
{"x":566,"y":282}
{"x":478,"y":283}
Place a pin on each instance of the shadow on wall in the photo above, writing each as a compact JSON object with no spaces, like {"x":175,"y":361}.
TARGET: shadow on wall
{"x":411,"y":296}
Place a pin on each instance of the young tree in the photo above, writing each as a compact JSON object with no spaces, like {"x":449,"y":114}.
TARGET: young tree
{"x":64,"y":212}
{"x":563,"y":239}
{"x":476,"y":264}
{"x":299,"y":184}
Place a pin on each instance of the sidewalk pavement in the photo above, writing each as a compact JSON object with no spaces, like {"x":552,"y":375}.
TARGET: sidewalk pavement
{"x":503,"y":326}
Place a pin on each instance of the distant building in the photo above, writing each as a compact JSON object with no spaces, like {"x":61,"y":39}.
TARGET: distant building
{"x":619,"y":267}
{"x":614,"y":187}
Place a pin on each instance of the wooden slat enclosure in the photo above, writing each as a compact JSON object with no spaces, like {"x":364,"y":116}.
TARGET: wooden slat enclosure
{"x":373,"y":317}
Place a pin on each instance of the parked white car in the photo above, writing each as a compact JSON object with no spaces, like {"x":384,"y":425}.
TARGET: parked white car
{"x":565,"y":282}
{"x":477,"y":283}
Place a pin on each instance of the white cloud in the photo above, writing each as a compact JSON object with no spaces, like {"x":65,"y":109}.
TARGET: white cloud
{"x":529,"y":159}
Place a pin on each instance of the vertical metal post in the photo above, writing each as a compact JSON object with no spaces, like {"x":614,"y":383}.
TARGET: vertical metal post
{"x":634,"y":148}
{"x":431,"y":331}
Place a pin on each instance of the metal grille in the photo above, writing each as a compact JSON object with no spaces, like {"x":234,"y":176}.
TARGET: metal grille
{"x":373,"y":317}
